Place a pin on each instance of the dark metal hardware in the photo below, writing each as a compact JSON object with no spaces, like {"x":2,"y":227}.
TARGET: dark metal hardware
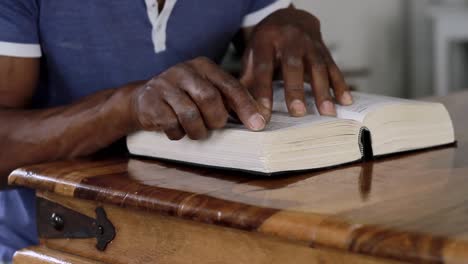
{"x":57,"y":221}
{"x":103,"y":228}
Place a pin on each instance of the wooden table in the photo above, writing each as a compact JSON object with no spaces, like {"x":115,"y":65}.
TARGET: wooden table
{"x":410,"y":208}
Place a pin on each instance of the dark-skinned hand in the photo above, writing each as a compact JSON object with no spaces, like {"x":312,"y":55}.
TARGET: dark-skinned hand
{"x":192,"y":98}
{"x":291,"y":40}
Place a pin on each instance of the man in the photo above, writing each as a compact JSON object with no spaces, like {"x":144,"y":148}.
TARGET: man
{"x":75,"y":76}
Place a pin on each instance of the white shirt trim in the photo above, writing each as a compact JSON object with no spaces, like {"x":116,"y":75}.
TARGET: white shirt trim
{"x":159,"y":22}
{"x":254,"y":18}
{"x":20,"y":50}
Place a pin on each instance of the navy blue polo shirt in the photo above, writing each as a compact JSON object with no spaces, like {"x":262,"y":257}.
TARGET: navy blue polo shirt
{"x":89,"y":45}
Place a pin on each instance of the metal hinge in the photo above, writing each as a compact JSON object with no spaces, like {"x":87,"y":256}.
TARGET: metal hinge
{"x":57,"y":221}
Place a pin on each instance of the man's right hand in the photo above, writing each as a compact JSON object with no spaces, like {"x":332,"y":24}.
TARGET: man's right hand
{"x":192,"y":98}
{"x":187,"y":99}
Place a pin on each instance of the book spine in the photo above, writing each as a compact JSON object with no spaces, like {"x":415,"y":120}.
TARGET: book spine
{"x":365,"y":144}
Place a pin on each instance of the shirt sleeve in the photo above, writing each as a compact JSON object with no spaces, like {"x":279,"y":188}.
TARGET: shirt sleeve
{"x":19,"y":35}
{"x":260,"y":9}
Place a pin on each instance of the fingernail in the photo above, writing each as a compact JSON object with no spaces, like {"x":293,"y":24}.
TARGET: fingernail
{"x":265,"y":102}
{"x":298,"y":108}
{"x":328,"y":108}
{"x":257,"y":122}
{"x":265,"y":108}
{"x":346,"y":98}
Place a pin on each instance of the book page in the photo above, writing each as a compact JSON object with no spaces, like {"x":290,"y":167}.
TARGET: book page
{"x":363,"y":103}
{"x":282,"y":120}
{"x":366,"y":103}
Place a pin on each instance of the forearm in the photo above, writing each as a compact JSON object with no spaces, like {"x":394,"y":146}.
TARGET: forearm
{"x":33,"y":136}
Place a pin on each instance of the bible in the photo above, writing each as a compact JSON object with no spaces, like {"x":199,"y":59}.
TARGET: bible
{"x":372,"y":126}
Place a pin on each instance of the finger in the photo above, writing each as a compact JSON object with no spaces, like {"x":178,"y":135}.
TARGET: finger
{"x":160,"y":117}
{"x":172,"y":127}
{"x":187,"y":113}
{"x":168,"y":121}
{"x":208,"y":99}
{"x":320,"y":82}
{"x":175,"y":133}
{"x":263,"y":70}
{"x":247,"y":76}
{"x":153,"y":112}
{"x":156,"y":114}
{"x":236,"y":95}
{"x":293,"y":75}
{"x":338,"y":83}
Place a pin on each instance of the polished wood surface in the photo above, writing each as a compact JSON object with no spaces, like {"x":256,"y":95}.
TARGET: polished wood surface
{"x":145,"y":237}
{"x":44,"y":255}
{"x":410,"y":207}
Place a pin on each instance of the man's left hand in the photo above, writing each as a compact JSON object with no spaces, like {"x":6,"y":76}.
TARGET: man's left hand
{"x":291,"y":40}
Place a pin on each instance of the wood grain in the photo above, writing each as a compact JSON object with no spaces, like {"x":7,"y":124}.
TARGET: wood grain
{"x":143,"y":237}
{"x":44,"y":255}
{"x":411,"y":206}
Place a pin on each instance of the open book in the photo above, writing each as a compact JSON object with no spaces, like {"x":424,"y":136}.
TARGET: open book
{"x":372,"y":126}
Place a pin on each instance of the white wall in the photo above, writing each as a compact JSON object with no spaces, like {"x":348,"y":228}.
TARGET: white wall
{"x":420,"y":47}
{"x":370,"y":33}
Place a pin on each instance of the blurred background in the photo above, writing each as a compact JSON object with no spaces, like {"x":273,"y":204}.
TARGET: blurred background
{"x":404,"y":48}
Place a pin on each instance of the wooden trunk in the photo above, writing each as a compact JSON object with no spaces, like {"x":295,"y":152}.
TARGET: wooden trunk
{"x":144,"y":237}
{"x":405,"y":208}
